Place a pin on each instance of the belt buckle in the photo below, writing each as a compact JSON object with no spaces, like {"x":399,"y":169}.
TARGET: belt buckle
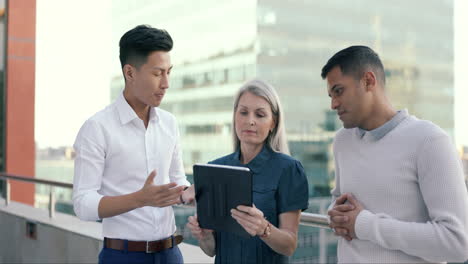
{"x":148,"y":249}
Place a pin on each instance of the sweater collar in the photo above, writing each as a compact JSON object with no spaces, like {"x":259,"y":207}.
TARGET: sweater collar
{"x":380,"y":132}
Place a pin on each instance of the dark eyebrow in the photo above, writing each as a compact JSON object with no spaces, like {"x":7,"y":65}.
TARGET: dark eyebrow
{"x":162,"y":69}
{"x":333,"y":88}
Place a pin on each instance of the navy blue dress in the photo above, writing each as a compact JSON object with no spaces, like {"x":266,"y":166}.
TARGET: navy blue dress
{"x":279,"y":186}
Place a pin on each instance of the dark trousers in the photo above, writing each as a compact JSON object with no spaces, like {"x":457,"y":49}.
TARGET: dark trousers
{"x":170,"y":255}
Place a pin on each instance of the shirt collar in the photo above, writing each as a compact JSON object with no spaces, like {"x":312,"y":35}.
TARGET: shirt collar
{"x":258,"y":162}
{"x":380,"y":132}
{"x":126,"y":112}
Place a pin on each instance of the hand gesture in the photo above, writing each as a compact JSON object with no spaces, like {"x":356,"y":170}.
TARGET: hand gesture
{"x":159,"y":195}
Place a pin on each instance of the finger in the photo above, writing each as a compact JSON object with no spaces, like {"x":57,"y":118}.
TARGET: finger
{"x":353,"y":200}
{"x":253,"y":220}
{"x":344,"y":207}
{"x":341,"y":231}
{"x":150,"y":178}
{"x":172,"y":195}
{"x":169,"y":203}
{"x":167,"y":192}
{"x":249,"y":221}
{"x":246,"y":225}
{"x":333,"y":212}
{"x":189,"y":223}
{"x":192,"y":220}
{"x":339,"y":219}
{"x":341,"y":199}
{"x":239,"y":214}
{"x":348,"y":238}
{"x":196,"y":233}
{"x":253,"y":211}
{"x":196,"y":229}
{"x":188,"y":200}
{"x":164,"y":198}
{"x":170,"y":186}
{"x":191,"y":227}
{"x":243,"y":208}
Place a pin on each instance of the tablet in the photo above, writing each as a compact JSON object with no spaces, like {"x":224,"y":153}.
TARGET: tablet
{"x":218,"y":189}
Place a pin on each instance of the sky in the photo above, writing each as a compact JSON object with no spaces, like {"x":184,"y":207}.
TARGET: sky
{"x":461,"y":72}
{"x":74,"y":65}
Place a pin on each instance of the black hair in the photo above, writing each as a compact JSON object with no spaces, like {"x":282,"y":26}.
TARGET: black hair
{"x":354,"y":61}
{"x":137,"y":43}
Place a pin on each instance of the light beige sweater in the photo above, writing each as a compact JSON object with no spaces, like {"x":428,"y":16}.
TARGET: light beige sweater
{"x":410,"y":181}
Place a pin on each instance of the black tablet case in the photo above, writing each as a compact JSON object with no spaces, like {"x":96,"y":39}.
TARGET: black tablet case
{"x":218,"y":189}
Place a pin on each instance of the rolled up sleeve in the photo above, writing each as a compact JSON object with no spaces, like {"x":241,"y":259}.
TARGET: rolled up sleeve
{"x":90,"y":152}
{"x":176,"y":170}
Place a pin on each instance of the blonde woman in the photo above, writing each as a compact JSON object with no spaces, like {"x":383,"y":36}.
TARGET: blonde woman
{"x":280,"y":189}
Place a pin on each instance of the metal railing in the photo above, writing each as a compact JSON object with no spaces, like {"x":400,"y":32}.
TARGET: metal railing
{"x":309,"y":219}
{"x":315,"y":220}
{"x":6,"y":177}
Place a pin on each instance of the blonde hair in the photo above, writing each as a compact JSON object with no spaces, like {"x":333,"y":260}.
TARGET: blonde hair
{"x":276,"y":139}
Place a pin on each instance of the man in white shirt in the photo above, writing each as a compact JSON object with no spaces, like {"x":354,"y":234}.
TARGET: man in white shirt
{"x":399,"y":193}
{"x":128,"y":165}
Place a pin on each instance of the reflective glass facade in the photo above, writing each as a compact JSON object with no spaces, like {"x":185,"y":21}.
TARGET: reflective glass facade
{"x":219,"y":45}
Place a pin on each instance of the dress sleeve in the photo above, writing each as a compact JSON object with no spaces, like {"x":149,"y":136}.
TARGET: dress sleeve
{"x":293,"y":189}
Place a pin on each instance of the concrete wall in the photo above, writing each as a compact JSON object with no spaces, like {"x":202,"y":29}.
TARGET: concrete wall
{"x":63,"y":239}
{"x":58,"y":240}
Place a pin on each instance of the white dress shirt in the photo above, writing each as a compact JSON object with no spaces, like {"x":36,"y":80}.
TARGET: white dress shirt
{"x":115,"y":153}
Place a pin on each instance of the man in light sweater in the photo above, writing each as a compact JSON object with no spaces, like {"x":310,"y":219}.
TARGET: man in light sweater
{"x":399,"y":195}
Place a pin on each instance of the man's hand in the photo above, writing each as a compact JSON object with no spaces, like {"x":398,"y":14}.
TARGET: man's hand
{"x":250,"y":218}
{"x":159,"y":195}
{"x":337,"y":216}
{"x":343,"y":216}
{"x":188,"y":196}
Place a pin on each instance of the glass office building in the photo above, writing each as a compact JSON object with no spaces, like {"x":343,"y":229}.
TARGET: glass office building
{"x":219,"y":45}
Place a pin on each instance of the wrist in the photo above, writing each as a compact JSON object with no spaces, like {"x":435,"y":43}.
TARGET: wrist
{"x":138,"y":199}
{"x":181,"y":197}
{"x":267,"y":231}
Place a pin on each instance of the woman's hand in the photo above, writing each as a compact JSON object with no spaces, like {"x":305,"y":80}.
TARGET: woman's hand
{"x":251,"y":219}
{"x":197,"y":232}
{"x":204,"y":236}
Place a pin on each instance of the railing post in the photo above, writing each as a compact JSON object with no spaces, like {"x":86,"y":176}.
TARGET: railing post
{"x":7,"y":192}
{"x":51,"y":202}
{"x":323,"y":242}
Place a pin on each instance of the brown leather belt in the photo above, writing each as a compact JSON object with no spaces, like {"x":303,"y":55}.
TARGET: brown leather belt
{"x":144,"y":246}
